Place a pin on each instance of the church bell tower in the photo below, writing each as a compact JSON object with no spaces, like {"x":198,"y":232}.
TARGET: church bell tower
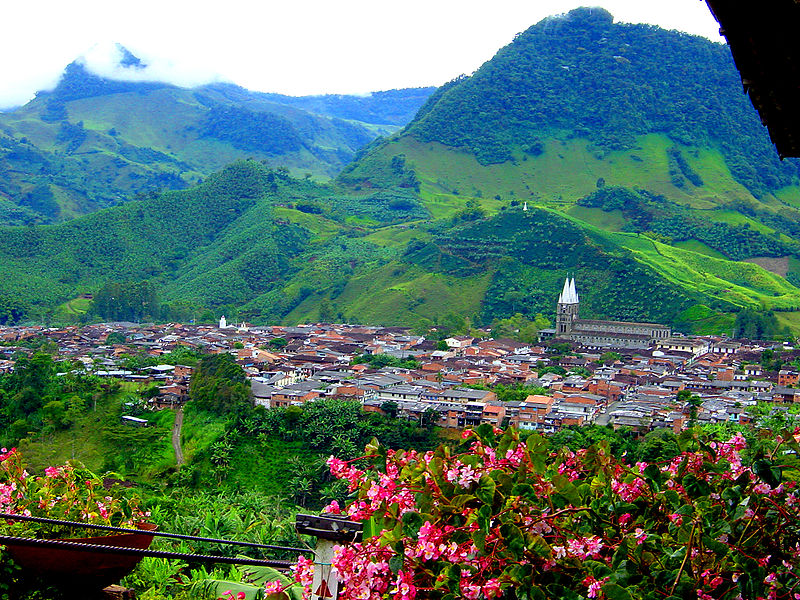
{"x":567,"y":309}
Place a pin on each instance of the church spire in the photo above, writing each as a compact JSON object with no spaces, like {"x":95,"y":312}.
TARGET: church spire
{"x":563,"y":297}
{"x":568,"y":295}
{"x":573,"y":291}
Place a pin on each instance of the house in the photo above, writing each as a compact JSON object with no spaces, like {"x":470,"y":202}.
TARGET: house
{"x":787,"y":378}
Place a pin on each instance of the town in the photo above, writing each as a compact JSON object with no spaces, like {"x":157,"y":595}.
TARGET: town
{"x":676,"y":382}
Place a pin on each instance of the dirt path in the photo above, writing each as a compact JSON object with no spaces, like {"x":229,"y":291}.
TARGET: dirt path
{"x":176,"y":437}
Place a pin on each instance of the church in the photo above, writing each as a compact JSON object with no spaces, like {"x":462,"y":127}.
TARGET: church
{"x":610,"y":334}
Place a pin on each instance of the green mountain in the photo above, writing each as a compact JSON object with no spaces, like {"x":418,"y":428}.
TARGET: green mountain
{"x":638,"y":134}
{"x":623,"y":154}
{"x":94,"y":142}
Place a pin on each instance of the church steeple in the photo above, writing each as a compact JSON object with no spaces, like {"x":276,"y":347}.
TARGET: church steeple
{"x":568,"y":295}
{"x":567,"y":310}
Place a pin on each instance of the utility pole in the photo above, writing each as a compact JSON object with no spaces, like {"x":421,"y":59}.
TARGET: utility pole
{"x":329,"y":530}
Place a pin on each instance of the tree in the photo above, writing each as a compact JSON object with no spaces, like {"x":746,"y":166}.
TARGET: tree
{"x":390,"y":407}
{"x":608,"y":358}
{"x":219,"y":384}
{"x":278,"y":343}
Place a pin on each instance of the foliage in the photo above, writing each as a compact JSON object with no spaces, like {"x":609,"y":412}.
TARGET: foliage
{"x":607,"y":358}
{"x":498,"y":517}
{"x":755,"y":325}
{"x":68,"y":492}
{"x":587,"y":76}
{"x":88,"y":154}
{"x":126,"y":301}
{"x":518,"y":327}
{"x":219,"y":385}
{"x":11,"y":311}
{"x":34,"y":398}
{"x":378,"y":361}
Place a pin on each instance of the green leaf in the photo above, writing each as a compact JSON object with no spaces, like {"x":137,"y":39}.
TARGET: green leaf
{"x":567,"y":489}
{"x":537,"y":451}
{"x":620,"y":554}
{"x":479,"y":539}
{"x":654,"y":474}
{"x":396,"y":563}
{"x":486,"y":490}
{"x":522,"y":489}
{"x":695,"y":488}
{"x":412,"y":521}
{"x":716,"y":547}
{"x":260,"y":575}
{"x":612,"y":591}
{"x":514,"y":538}
{"x":215,"y":588}
{"x":768,"y":471}
{"x":461,"y":500}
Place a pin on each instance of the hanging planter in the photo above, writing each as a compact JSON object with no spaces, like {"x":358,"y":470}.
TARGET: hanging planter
{"x":72,"y":567}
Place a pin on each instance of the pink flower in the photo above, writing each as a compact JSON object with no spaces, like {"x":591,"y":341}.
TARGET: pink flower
{"x":273,"y":587}
{"x":624,"y":519}
{"x":640,"y":535}
{"x":332,"y":508}
{"x":594,"y":586}
{"x":492,"y":589}
{"x":405,"y":585}
{"x":304,"y":571}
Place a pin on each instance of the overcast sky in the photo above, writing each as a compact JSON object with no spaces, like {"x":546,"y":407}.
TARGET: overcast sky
{"x":294,"y":47}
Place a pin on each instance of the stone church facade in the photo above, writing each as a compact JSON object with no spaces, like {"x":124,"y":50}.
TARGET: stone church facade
{"x":612,"y":334}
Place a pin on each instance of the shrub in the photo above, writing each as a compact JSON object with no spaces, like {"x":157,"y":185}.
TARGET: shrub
{"x":501,"y":517}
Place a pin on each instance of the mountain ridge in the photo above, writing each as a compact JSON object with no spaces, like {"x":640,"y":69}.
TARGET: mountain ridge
{"x":134,"y":137}
{"x":658,"y":219}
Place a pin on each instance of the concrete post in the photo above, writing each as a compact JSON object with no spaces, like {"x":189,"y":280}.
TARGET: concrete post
{"x":329,"y":530}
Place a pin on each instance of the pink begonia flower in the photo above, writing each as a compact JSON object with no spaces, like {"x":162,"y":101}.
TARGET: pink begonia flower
{"x":624,"y":519}
{"x":332,"y":508}
{"x":640,"y":535}
{"x":405,"y":585}
{"x":594,"y":586}
{"x":492,"y":589}
{"x":52,"y":472}
{"x":273,"y":587}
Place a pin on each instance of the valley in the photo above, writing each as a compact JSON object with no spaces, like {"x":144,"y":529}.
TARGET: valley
{"x":529,"y":334}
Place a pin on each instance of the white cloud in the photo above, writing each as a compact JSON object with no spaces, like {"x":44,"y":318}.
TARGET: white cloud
{"x":301,"y":47}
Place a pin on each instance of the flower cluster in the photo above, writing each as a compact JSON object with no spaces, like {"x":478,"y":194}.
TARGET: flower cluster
{"x":66,"y":492}
{"x":498,"y":514}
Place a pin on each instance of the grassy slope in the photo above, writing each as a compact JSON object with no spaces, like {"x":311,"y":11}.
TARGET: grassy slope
{"x":398,"y":293}
{"x":85,"y":442}
{"x":565,"y":171}
{"x":569,"y":169}
{"x":740,"y":283}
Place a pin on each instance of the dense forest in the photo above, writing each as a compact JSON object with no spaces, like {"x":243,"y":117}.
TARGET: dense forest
{"x":583,"y":74}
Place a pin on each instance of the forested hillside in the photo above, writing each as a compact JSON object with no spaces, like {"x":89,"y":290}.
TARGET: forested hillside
{"x":622,"y":154}
{"x":94,"y":142}
{"x":255,"y":243}
{"x":640,"y":135}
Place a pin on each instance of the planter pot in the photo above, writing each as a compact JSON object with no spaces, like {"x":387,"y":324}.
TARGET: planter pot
{"x":72,"y":568}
